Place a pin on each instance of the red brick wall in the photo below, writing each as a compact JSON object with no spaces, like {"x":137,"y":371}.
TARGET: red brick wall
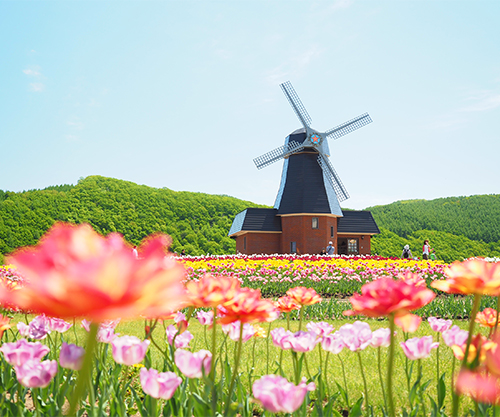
{"x":267,"y":243}
{"x":299,"y":229}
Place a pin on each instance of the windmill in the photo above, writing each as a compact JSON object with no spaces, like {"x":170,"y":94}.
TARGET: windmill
{"x":309,"y":183}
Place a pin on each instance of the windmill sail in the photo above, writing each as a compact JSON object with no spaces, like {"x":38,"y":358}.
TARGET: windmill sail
{"x":348,"y":127}
{"x":296,"y":104}
{"x":277,"y":154}
{"x":334,"y":179}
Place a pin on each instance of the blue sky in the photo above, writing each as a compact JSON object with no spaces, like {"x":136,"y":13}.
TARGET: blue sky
{"x":184,"y":94}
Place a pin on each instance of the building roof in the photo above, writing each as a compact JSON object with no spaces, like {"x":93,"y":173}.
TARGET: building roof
{"x":357,"y":222}
{"x":256,"y":220}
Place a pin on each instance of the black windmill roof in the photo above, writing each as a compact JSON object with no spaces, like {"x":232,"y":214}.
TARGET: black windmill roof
{"x":357,"y":222}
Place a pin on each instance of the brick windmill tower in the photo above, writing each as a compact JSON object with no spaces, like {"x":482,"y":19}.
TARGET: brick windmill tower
{"x":306,"y":213}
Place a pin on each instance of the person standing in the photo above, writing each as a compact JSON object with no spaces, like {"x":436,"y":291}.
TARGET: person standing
{"x":134,"y":251}
{"x":426,"y":249}
{"x":330,"y":249}
{"x":433,"y":255}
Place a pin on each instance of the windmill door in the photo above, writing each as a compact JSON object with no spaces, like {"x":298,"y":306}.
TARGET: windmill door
{"x":348,"y":246}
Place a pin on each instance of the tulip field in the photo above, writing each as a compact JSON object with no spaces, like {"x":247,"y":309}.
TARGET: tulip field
{"x":89,"y":329}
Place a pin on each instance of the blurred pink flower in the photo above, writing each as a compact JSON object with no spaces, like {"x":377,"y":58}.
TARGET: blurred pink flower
{"x":418,"y":348}
{"x":182,"y":340}
{"x":23,"y":329}
{"x":59,"y":325}
{"x":159,"y":385}
{"x":455,"y":336}
{"x":333,"y":343}
{"x":71,"y":356}
{"x":36,"y":374}
{"x":19,"y":352}
{"x":106,"y":332}
{"x":75,"y":272}
{"x":356,"y":336}
{"x":320,"y":329}
{"x":280,"y":338}
{"x":408,"y":322}
{"x":381,"y":338}
{"x":303,"y":341}
{"x":129,"y":350}
{"x":481,"y":387}
{"x":233,"y":331}
{"x":193,"y":365}
{"x":37,"y":329}
{"x":439,"y":325}
{"x":205,"y":318}
{"x":278,"y":395}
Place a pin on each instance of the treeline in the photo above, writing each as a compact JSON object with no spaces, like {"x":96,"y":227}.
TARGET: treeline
{"x":458,"y":227}
{"x":476,"y":217}
{"x":197,"y":222}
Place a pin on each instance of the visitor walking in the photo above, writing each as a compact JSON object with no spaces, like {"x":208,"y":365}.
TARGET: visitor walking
{"x":134,"y":251}
{"x":433,"y":255}
{"x":406,"y":252}
{"x":330,"y":249}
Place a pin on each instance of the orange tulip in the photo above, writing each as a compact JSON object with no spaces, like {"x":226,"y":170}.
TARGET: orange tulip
{"x":247,"y":306}
{"x":75,"y":272}
{"x":386,"y":296}
{"x":304,"y":296}
{"x":479,"y":345}
{"x":286,"y":304}
{"x":475,"y":276}
{"x":408,"y":322}
{"x":4,"y":324}
{"x":210,"y":291}
{"x":487,"y":317}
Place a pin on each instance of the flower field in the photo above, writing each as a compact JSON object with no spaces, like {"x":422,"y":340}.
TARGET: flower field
{"x":88,"y":329}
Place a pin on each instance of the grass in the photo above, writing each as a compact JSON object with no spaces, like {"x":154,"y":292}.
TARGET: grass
{"x":260,"y":357}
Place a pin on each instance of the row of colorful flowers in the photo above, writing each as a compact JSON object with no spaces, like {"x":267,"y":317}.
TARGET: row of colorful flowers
{"x":74,"y":272}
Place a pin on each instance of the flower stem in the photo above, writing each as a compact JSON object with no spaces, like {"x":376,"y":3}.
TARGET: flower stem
{"x":212,"y":365}
{"x":364,"y":380}
{"x":86,"y":370}
{"x":301,"y":316}
{"x":380,"y":377}
{"x":498,"y":312}
{"x":267,"y":347}
{"x":390,"y":361}
{"x":345,"y":381}
{"x":235,"y":372}
{"x":421,"y":394}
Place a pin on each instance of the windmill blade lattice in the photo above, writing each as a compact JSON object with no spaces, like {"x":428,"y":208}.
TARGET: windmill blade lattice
{"x":277,"y":154}
{"x":334,"y":179}
{"x":348,"y":127}
{"x":296,"y":104}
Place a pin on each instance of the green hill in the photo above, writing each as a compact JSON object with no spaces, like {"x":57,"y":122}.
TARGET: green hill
{"x":457,"y":227}
{"x":196,"y":222}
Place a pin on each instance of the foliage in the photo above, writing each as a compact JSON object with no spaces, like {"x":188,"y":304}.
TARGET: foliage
{"x":196,"y":222}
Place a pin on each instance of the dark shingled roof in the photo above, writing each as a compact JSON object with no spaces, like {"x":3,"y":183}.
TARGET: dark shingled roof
{"x":357,"y":222}
{"x":256,"y":219}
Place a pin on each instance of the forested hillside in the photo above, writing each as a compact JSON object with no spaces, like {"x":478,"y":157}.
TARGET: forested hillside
{"x":458,"y":227}
{"x":196,"y":222}
{"x":476,"y":217}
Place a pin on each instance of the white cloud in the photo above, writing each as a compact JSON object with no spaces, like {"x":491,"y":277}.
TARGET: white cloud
{"x":341,"y":4}
{"x":71,"y":138}
{"x":32,"y":72}
{"x":37,"y":87}
{"x":482,"y":101}
{"x":76,"y":125}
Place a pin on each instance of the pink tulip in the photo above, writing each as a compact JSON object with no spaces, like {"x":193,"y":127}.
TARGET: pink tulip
{"x":333,"y":343}
{"x":193,"y":365}
{"x":381,"y":338}
{"x":129,"y":350}
{"x":182,"y":340}
{"x":281,"y":338}
{"x":59,"y":325}
{"x":206,"y":318}
{"x":408,"y":322}
{"x":278,"y":395}
{"x":106,"y":332}
{"x":233,"y":331}
{"x":71,"y":356}
{"x":303,"y":341}
{"x":439,"y":325}
{"x":455,"y":336}
{"x":356,"y":336}
{"x":23,"y":329}
{"x":19,"y":352}
{"x":159,"y":385}
{"x":37,"y":329}
{"x":418,"y":348}
{"x":36,"y":374}
{"x":482,"y":388}
{"x":320,"y":329}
